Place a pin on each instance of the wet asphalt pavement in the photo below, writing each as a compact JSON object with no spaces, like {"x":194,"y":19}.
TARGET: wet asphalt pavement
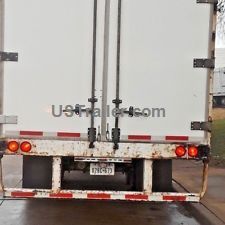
{"x":57,"y":212}
{"x":87,"y":212}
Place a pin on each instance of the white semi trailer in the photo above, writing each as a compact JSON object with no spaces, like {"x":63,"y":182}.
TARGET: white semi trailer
{"x":219,"y":87}
{"x":105,"y":87}
{"x":219,"y":78}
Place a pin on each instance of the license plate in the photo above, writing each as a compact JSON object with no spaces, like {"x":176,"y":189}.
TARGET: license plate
{"x":102,"y":169}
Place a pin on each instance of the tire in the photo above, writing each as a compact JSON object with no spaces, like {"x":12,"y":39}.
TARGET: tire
{"x":37,"y":172}
{"x":162,"y":176}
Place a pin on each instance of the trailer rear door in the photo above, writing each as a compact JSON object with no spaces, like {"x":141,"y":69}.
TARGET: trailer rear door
{"x":54,"y":40}
{"x":159,"y":41}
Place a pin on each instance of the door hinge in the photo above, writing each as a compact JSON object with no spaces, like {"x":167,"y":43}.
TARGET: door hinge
{"x":9,"y":56}
{"x":204,"y":63}
{"x":204,"y":126}
{"x":8,"y":119}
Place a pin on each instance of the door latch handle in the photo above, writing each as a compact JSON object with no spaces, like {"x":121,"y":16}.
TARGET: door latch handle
{"x":78,"y":109}
{"x":132,"y":112}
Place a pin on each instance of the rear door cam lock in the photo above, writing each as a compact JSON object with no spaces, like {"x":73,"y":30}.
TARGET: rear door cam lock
{"x":134,"y":112}
{"x":78,"y":110}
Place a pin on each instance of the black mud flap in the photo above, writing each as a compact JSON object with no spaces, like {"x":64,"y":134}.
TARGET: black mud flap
{"x":37,"y":172}
{"x":138,"y":174}
{"x":162,"y":176}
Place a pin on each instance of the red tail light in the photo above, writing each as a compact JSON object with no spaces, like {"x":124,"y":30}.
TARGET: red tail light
{"x":25,"y":146}
{"x":180,"y":151}
{"x":192,"y":151}
{"x":13,"y":146}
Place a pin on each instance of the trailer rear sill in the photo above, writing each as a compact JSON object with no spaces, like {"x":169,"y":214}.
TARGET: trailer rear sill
{"x":102,"y":149}
{"x":101,"y":195}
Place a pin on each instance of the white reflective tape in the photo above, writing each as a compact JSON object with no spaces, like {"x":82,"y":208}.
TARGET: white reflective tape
{"x":80,"y":195}
{"x":118,"y":197}
{"x":158,"y":138}
{"x":84,"y":135}
{"x":50,"y":134}
{"x":12,"y":133}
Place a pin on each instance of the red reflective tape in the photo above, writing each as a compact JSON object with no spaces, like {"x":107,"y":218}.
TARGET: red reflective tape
{"x":136,"y":197}
{"x":20,"y":194}
{"x":61,"y":195}
{"x":99,"y":196}
{"x":177,"y":138}
{"x":63,"y":134}
{"x":174,"y":198}
{"x":139,"y":137}
{"x":32,"y":133}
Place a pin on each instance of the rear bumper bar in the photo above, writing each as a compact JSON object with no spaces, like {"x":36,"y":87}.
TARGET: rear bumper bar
{"x":101,"y":195}
{"x":59,"y":148}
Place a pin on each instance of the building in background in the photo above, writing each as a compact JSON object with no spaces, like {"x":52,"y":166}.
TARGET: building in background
{"x":219,"y":79}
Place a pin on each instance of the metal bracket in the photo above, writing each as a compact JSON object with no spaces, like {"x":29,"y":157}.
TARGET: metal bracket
{"x":204,"y":63}
{"x":204,"y":126}
{"x":213,"y":36}
{"x":8,"y":119}
{"x":208,"y":1}
{"x":116,"y":137}
{"x":204,"y":152}
{"x":92,"y":100}
{"x":9,"y":56}
{"x":117,"y":101}
{"x":214,"y":2}
{"x":92,"y":136}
